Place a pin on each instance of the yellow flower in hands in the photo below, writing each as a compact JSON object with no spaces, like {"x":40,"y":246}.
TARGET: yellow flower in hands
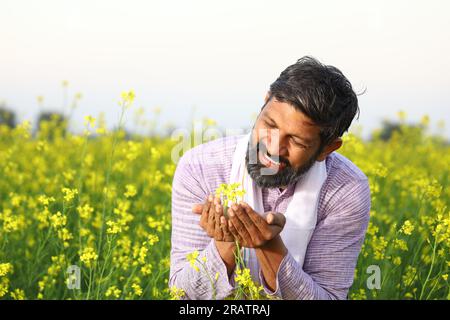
{"x":229,"y":193}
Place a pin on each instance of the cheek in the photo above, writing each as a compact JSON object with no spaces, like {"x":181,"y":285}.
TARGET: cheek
{"x":299,"y":158}
{"x":259,"y":133}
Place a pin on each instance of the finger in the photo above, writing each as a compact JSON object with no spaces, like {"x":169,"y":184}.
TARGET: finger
{"x":205,"y":206}
{"x":274,"y":218}
{"x":276,"y":222}
{"x":217,"y":200}
{"x":197,"y":208}
{"x":235,"y":233}
{"x":251,"y":228}
{"x":259,"y":221}
{"x":211,"y":221}
{"x":227,"y":235}
{"x":218,"y":233}
{"x":205,"y":216}
{"x":240,"y":227}
{"x":265,"y":230}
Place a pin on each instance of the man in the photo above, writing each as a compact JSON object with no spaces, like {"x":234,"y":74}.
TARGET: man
{"x":304,"y":234}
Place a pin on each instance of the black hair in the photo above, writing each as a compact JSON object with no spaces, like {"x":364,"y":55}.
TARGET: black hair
{"x":321,"y":92}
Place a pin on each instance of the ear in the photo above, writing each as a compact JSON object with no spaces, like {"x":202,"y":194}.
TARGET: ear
{"x":336,"y":144}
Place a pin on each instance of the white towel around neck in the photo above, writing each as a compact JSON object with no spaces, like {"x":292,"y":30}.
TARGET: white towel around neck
{"x":301,"y":213}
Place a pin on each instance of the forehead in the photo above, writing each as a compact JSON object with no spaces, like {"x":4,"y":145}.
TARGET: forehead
{"x":290,"y":120}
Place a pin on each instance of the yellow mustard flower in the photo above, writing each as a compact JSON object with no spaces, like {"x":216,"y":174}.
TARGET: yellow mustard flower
{"x":407,"y":228}
{"x":88,"y":256}
{"x":131,"y":191}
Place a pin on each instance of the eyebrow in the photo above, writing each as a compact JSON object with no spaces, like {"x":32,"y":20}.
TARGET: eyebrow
{"x":307,"y":141}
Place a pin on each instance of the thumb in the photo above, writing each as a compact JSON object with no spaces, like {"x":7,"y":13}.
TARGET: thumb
{"x":275,"y":218}
{"x":197,"y":208}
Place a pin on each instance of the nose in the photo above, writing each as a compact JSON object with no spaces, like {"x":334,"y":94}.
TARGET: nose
{"x":276,"y":143}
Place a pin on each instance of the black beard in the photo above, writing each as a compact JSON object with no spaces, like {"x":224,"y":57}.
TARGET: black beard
{"x":285,"y":177}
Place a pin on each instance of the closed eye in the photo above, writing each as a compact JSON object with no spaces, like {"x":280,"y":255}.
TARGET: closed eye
{"x":270,"y":125}
{"x":298,"y":144}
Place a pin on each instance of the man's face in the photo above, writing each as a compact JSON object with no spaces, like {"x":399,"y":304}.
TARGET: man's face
{"x":284,"y":145}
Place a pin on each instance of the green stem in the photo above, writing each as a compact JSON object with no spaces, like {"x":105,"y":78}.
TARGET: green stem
{"x":108,"y":174}
{"x":90,"y":283}
{"x":210,"y":279}
{"x":125,"y":287}
{"x":431,"y":267}
{"x":80,"y":187}
{"x":108,"y":255}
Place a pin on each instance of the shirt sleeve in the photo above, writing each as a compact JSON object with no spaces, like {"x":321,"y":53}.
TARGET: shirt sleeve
{"x":332,"y":253}
{"x":188,"y":236}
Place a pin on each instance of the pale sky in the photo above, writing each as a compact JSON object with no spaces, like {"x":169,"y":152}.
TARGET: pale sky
{"x":222,"y":56}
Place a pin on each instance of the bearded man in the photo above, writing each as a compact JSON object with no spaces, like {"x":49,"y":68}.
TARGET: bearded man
{"x":305,"y":211}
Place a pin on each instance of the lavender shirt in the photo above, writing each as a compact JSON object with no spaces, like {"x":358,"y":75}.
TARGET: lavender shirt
{"x":332,"y":253}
